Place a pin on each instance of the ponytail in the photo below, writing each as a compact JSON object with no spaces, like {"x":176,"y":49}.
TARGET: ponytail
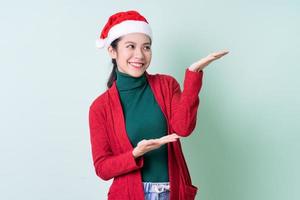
{"x":113,"y":74}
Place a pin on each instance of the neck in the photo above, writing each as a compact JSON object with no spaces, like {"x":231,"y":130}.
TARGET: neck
{"x":126,"y":82}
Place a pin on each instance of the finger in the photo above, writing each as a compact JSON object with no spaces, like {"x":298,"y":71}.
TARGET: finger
{"x":145,"y":143}
{"x":153,"y":145}
{"x":174,"y":134}
{"x":169,"y":140}
{"x":215,"y":57}
{"x":152,"y":141}
{"x":169,"y":136}
{"x":158,"y":144}
{"x":221,"y":52}
{"x":160,"y":141}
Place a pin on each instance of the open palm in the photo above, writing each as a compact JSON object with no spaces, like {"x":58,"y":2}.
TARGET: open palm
{"x":202,"y":63}
{"x":147,"y":145}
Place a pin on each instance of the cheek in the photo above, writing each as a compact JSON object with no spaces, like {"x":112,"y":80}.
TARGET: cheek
{"x":126,"y":55}
{"x":149,"y":56}
{"x":122,"y":60}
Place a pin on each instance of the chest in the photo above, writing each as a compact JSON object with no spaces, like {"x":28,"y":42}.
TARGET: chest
{"x":141,"y":114}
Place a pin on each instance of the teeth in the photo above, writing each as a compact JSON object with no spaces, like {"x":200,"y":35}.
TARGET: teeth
{"x":136,"y":64}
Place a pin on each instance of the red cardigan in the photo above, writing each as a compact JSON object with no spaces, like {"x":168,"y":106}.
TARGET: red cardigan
{"x":111,"y":147}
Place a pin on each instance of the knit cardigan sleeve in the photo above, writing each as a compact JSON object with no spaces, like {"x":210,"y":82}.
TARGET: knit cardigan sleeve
{"x":107,"y":164}
{"x":184,"y":104}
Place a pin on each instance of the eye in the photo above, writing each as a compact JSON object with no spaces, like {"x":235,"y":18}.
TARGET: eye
{"x":131,"y":45}
{"x":148,"y":47}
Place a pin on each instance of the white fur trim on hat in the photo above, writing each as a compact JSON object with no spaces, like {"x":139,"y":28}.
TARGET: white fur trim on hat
{"x":100,"y":43}
{"x":123,"y":28}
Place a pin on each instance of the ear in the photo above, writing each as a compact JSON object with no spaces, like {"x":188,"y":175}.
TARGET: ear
{"x":112,"y":52}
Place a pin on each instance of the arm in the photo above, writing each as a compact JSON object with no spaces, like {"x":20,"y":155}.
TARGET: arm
{"x":107,"y":165}
{"x":184,"y":104}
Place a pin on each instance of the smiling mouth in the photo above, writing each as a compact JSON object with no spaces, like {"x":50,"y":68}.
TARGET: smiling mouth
{"x":136,"y":65}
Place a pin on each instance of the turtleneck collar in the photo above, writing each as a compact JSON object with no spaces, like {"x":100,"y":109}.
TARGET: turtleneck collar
{"x":126,"y":82}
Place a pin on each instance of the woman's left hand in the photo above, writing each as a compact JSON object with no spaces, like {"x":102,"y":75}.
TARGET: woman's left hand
{"x":201,"y":64}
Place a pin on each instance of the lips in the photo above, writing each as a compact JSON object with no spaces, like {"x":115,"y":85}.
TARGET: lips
{"x":136,"y":65}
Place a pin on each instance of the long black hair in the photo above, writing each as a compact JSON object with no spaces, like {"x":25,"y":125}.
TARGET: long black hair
{"x":113,"y":75}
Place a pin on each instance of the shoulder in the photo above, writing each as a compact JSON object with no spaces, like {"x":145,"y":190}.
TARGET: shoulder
{"x":99,"y":102}
{"x":165,"y":79}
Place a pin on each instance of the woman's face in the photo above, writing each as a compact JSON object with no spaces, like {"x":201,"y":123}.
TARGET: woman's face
{"x":133,"y":54}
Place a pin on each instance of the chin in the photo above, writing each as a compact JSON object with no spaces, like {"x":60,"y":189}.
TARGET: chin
{"x":136,"y":74}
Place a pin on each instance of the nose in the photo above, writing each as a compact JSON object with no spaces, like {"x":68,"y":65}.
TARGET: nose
{"x":138,"y":53}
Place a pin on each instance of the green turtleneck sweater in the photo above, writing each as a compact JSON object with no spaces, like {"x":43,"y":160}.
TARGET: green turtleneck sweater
{"x":144,"y":120}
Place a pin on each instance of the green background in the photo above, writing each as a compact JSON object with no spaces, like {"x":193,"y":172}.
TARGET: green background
{"x":246,"y":142}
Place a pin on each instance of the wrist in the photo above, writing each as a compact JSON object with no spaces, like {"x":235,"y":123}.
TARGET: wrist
{"x":134,"y":153}
{"x":194,"y":69}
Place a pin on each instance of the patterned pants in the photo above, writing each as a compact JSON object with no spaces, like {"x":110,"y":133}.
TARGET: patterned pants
{"x":156,"y":190}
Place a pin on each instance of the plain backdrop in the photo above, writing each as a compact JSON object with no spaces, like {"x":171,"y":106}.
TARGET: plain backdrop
{"x":246,"y":142}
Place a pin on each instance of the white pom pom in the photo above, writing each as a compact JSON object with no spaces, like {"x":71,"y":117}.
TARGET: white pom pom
{"x":100,"y":43}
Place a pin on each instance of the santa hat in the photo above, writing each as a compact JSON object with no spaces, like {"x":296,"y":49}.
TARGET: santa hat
{"x":120,"y":24}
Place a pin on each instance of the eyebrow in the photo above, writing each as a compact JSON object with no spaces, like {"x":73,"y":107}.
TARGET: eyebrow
{"x":135,"y":43}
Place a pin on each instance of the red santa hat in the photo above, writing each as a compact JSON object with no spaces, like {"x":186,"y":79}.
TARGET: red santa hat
{"x":123,"y":23}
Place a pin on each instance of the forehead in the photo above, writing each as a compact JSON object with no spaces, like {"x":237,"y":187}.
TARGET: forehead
{"x":137,"y":38}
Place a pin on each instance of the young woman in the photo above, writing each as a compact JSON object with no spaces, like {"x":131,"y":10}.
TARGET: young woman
{"x":137,"y":123}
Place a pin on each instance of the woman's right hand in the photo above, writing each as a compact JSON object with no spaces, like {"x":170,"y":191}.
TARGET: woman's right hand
{"x":147,"y":145}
